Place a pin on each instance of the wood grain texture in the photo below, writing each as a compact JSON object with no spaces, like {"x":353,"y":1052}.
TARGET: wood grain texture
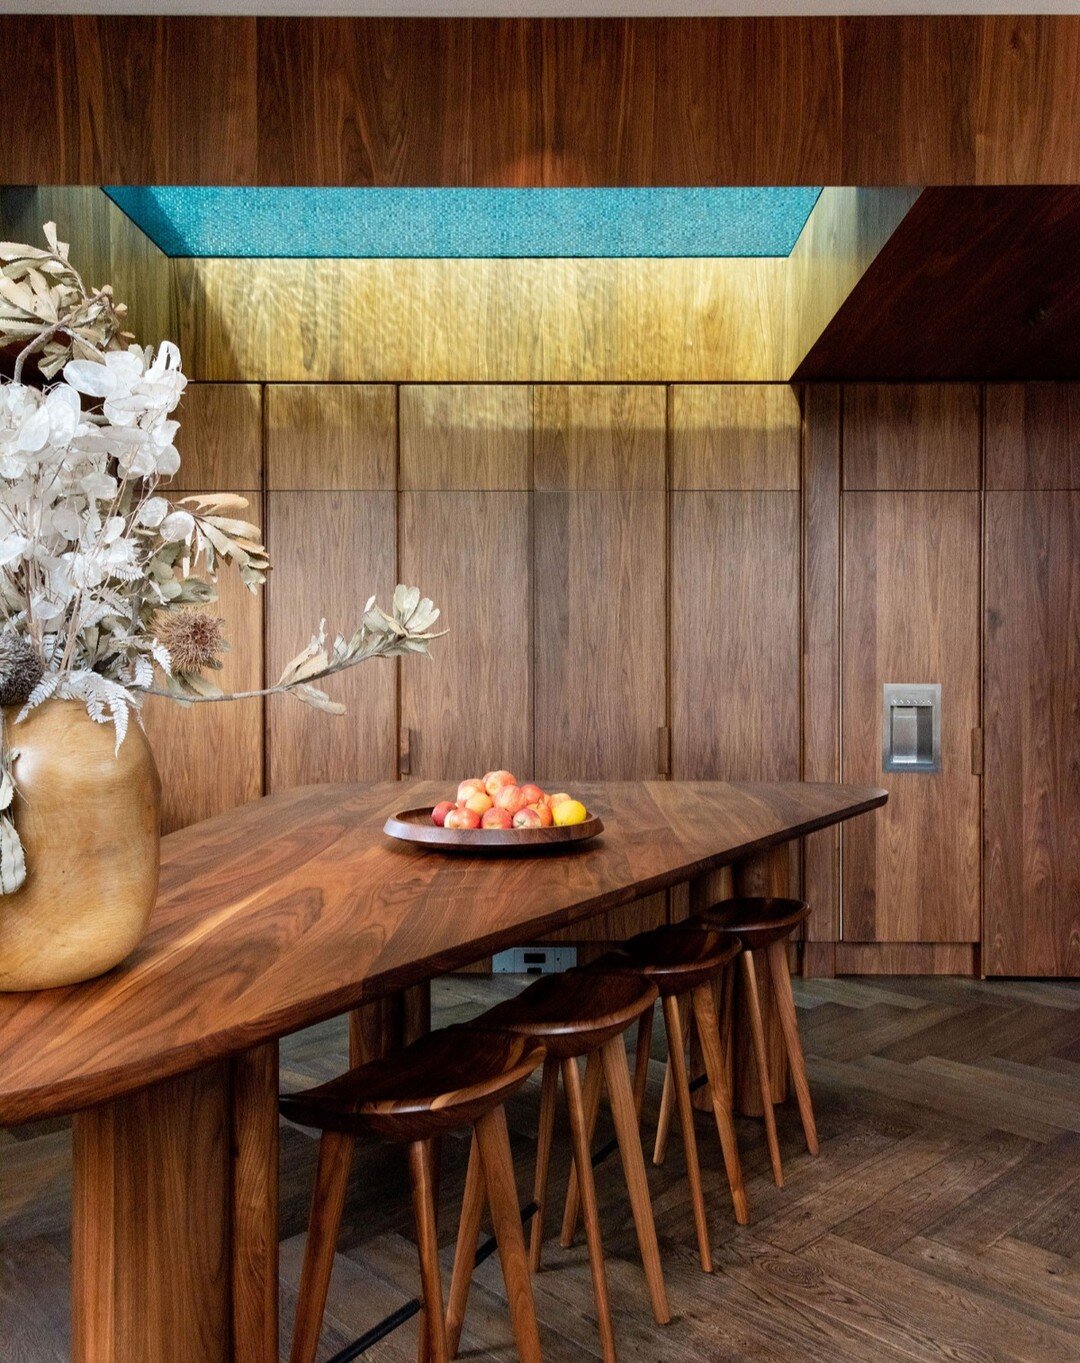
{"x":1032,"y":436}
{"x":911,"y":608}
{"x":911,"y":437}
{"x":87,"y":814}
{"x":890,"y":958}
{"x":485,"y":321}
{"x":472,"y":713}
{"x":331,"y":551}
{"x":735,"y":635}
{"x":735,"y":437}
{"x":821,"y":437}
{"x":296,"y":907}
{"x":220,"y":438}
{"x":210,"y":757}
{"x":465,"y":438}
{"x":590,"y":438}
{"x":149,"y":1245}
{"x":576,"y":101}
{"x":976,"y":283}
{"x":1032,"y":699}
{"x":331,"y":437}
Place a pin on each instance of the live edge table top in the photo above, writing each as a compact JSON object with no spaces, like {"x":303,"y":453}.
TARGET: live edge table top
{"x":296,"y":907}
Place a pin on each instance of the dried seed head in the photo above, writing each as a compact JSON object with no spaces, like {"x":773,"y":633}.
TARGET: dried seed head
{"x":20,"y":668}
{"x":195,"y":640}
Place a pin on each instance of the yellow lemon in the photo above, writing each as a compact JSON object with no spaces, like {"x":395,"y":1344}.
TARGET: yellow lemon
{"x":567,"y":812}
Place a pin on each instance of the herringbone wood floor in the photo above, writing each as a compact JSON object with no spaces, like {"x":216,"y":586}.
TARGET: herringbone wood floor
{"x":941,"y":1221}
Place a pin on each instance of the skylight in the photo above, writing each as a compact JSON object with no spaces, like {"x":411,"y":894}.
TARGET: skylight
{"x":467,"y":223}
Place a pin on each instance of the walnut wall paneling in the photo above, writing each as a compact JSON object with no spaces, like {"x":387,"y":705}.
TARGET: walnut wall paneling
{"x":1031,"y":923}
{"x":331,"y":548}
{"x":1032,"y":435}
{"x":469,"y":548}
{"x":735,"y":635}
{"x":910,"y":614}
{"x":600,"y":582}
{"x":911,"y":436}
{"x":331,"y":436}
{"x":821,"y":643}
{"x":735,"y":436}
{"x":211,"y":756}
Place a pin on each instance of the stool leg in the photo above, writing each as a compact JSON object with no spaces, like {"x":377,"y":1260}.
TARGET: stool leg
{"x":757,"y":1032}
{"x":727,"y":1015}
{"x":548,"y":1092}
{"x":494,"y":1142}
{"x":617,"y":1078}
{"x":641,"y":1059}
{"x":667,"y":1101}
{"x":327,"y":1202}
{"x":579,"y":1135}
{"x":472,"y":1208}
{"x":427,"y":1243}
{"x":591,"y":1105}
{"x":681,"y":1086}
{"x":708,"y":1028}
{"x":789,"y":1023}
{"x":434,"y":1160}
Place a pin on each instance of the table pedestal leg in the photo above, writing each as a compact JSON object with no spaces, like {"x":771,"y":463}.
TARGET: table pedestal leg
{"x":174,"y":1229}
{"x":765,"y":873}
{"x":383,"y":1026}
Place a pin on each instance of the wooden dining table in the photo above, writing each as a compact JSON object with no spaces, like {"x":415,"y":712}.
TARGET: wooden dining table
{"x":277,"y":915}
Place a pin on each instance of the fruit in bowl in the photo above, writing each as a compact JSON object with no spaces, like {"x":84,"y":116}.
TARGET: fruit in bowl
{"x":497,"y":801}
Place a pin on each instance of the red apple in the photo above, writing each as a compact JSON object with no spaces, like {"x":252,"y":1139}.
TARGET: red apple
{"x":532,"y":793}
{"x":545,"y":815}
{"x":439,"y":813}
{"x":509,"y":798}
{"x":496,"y":818}
{"x":527,"y":818}
{"x":462,"y":818}
{"x":479,"y":802}
{"x":469,"y":787}
{"x":495,"y":780}
{"x":557,"y":799}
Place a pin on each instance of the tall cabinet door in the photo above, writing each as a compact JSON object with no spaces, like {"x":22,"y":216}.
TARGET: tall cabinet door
{"x":331,"y":455}
{"x":599,"y":582}
{"x":1031,"y":920}
{"x":211,"y":756}
{"x":735,"y":556}
{"x":464,"y":539}
{"x":911,"y":513}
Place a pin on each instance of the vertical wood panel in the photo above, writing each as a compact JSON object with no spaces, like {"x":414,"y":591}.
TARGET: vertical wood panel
{"x":911,"y":610}
{"x":734,"y":436}
{"x":465,"y":437}
{"x":332,"y":437}
{"x":911,"y":436}
{"x":220,"y":437}
{"x":330,"y":551}
{"x":469,"y":710}
{"x":735,"y":635}
{"x":1032,"y":693}
{"x":821,"y":644}
{"x":1032,"y":435}
{"x":599,"y":437}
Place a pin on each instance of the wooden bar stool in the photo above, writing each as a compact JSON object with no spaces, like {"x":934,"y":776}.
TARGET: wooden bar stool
{"x":765,"y":925}
{"x":579,"y":1013}
{"x":451,"y":1079}
{"x":685,"y":967}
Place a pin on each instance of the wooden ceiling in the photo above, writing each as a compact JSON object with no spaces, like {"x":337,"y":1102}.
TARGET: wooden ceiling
{"x":975,"y":283}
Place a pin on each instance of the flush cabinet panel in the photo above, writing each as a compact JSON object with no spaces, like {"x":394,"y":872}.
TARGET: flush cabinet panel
{"x":211,"y":756}
{"x":331,"y":522}
{"x":465,"y":540}
{"x":910,"y":615}
{"x":1032,"y":703}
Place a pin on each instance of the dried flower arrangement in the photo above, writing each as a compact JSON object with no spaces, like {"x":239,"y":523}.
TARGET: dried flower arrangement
{"x":101,"y":575}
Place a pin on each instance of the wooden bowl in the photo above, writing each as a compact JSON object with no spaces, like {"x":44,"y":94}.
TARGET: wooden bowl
{"x":414,"y":825}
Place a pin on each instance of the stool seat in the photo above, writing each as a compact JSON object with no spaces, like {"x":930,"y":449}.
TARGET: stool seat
{"x":756,"y":922}
{"x":572,"y":1013}
{"x":441,"y":1082}
{"x":675,"y":959}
